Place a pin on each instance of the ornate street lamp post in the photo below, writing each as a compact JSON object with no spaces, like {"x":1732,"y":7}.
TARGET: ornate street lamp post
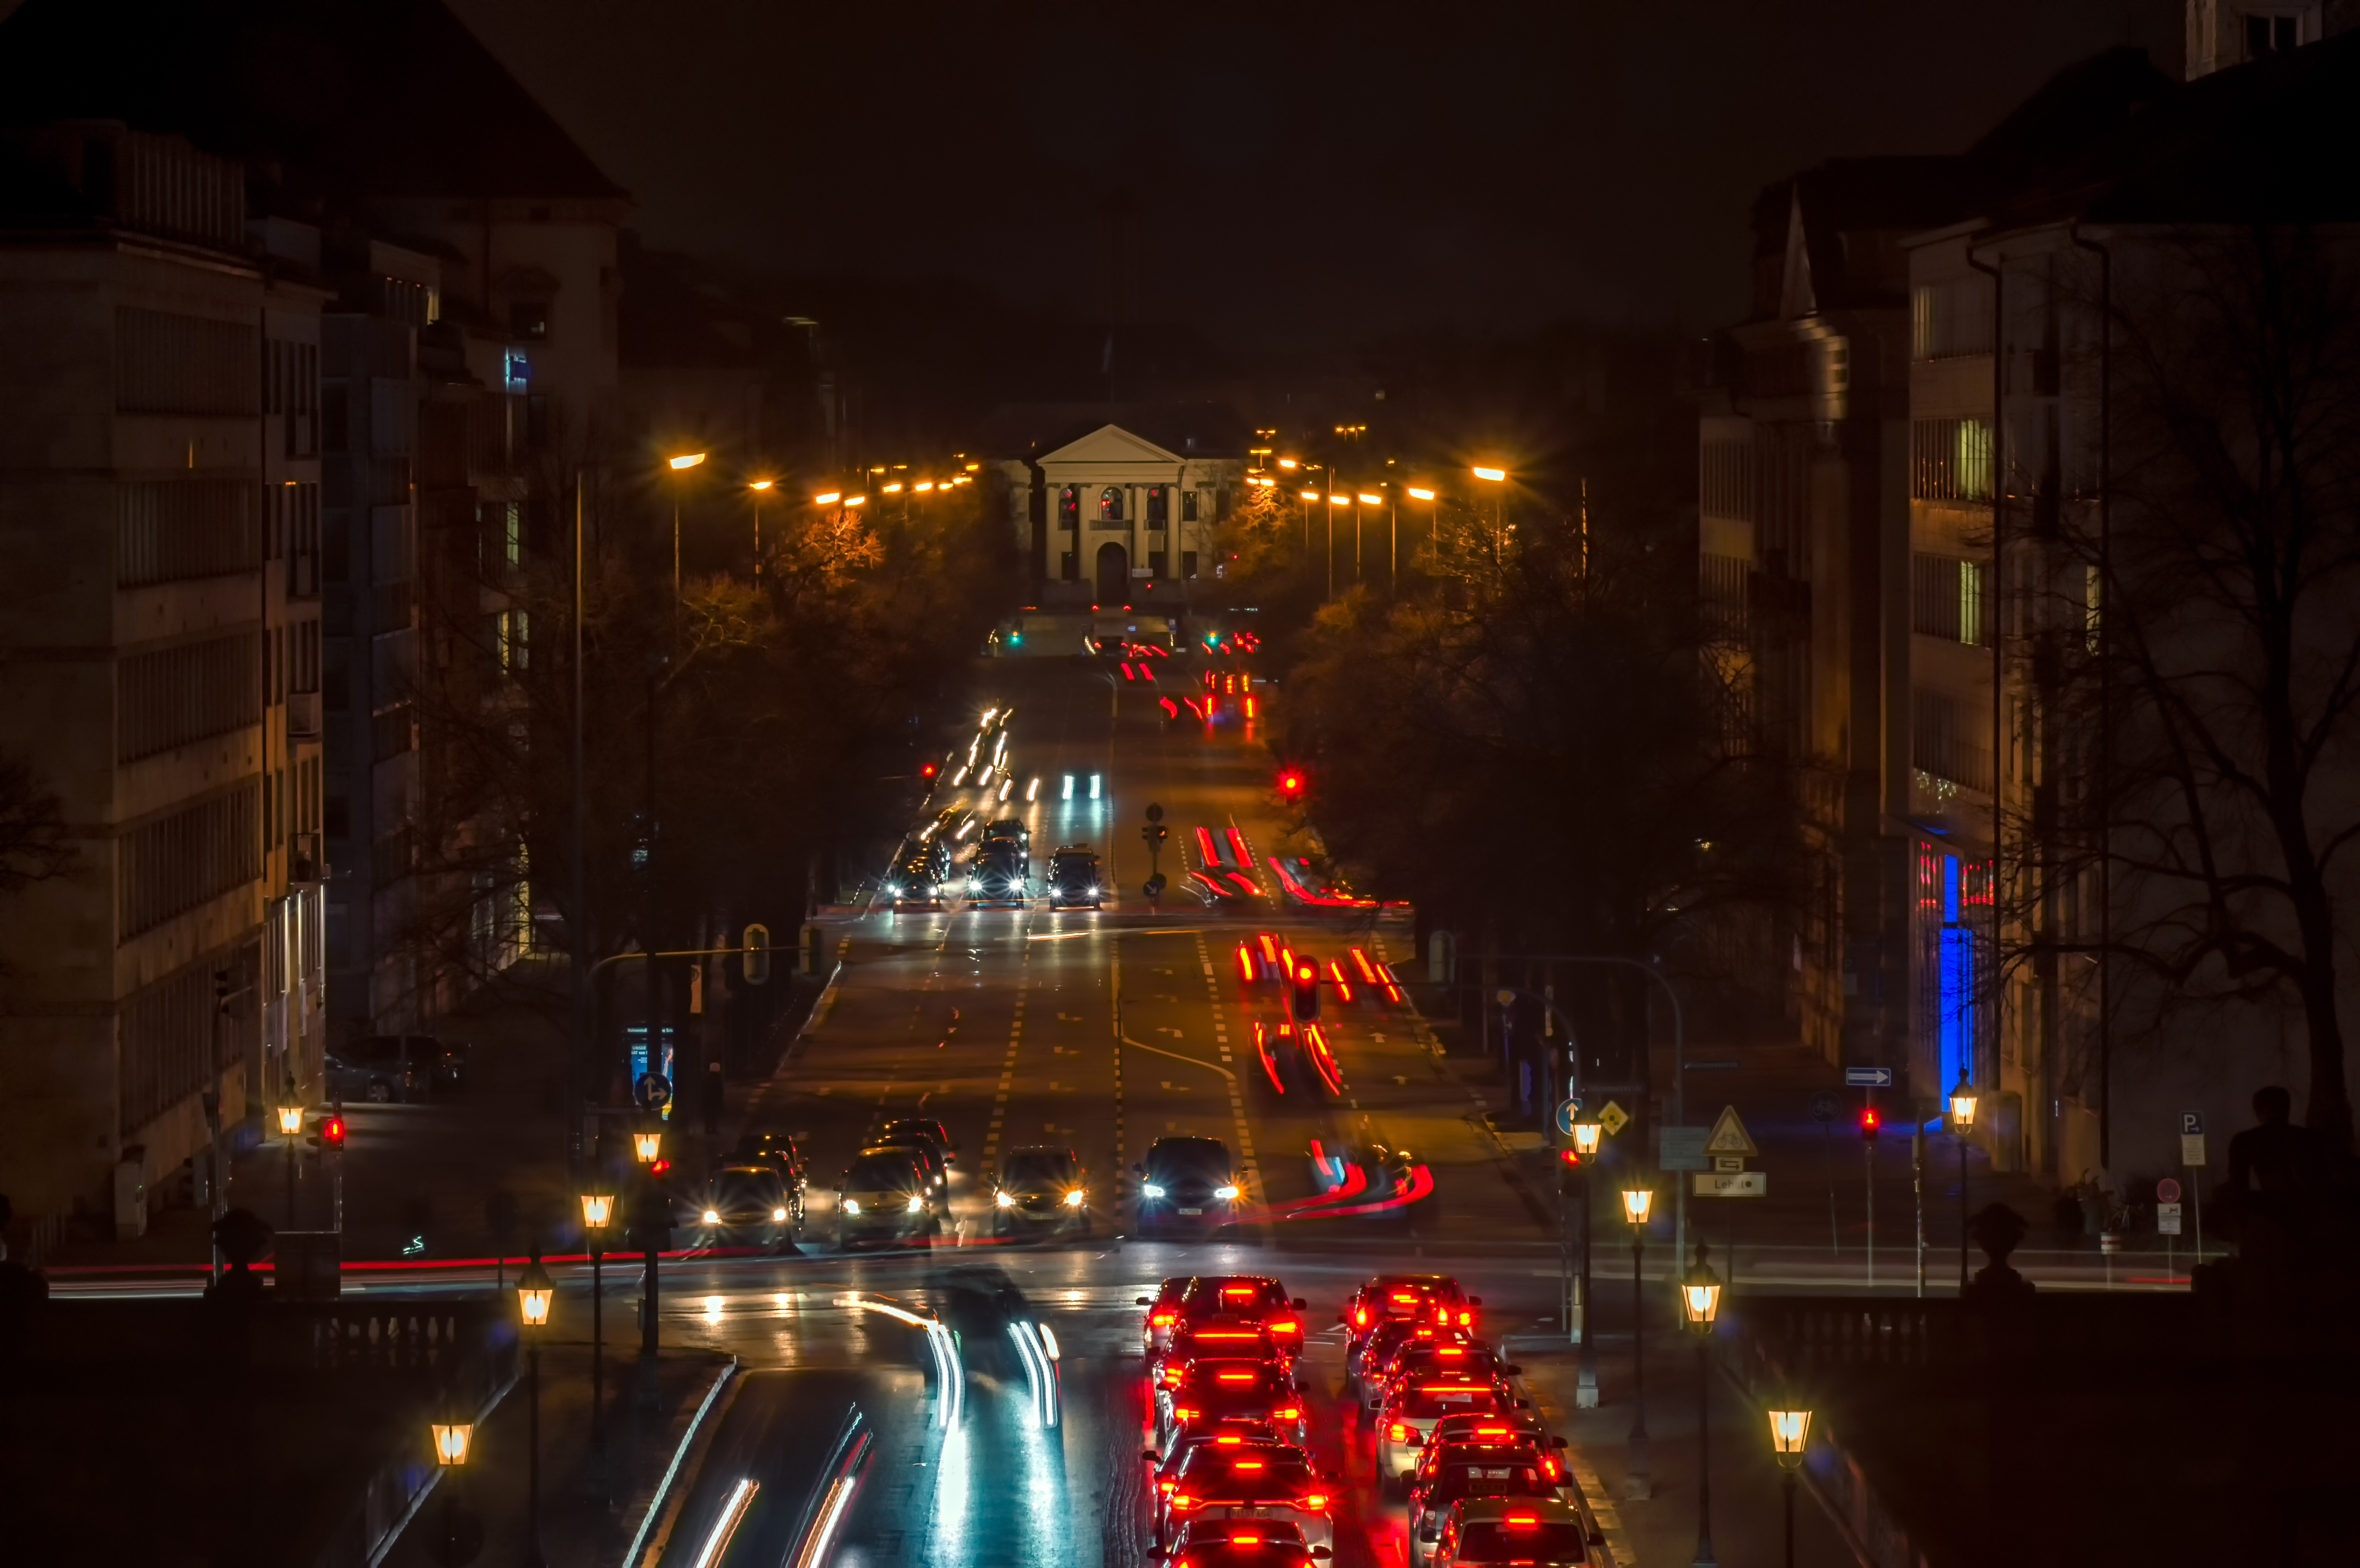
{"x":1700,"y":1305}
{"x":1637,"y":1202}
{"x":598,"y":1213}
{"x":1962,"y":1122}
{"x":1586,"y":1134}
{"x":1790,"y":1430}
{"x":535,"y":1293}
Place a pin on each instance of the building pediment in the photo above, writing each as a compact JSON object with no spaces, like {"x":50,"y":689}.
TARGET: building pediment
{"x":1110,"y":444}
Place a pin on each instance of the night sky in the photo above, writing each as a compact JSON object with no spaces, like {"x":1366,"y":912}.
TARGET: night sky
{"x":1281,"y":175}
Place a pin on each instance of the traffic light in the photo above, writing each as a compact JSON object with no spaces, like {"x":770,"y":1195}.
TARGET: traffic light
{"x":928,"y":771}
{"x":758,"y":953}
{"x":330,"y":1134}
{"x":1290,"y":784}
{"x":1306,"y":988}
{"x":1869,"y":1123}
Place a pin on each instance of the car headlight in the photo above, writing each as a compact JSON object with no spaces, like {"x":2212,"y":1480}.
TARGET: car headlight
{"x":778,"y":1214}
{"x":1225,"y":1193}
{"x":1074,"y":1199}
{"x":974,"y":884}
{"x":712,"y":1216}
{"x":915,"y":1204}
{"x":1149,"y":1190}
{"x":1005,"y":1200}
{"x":851,"y":1205}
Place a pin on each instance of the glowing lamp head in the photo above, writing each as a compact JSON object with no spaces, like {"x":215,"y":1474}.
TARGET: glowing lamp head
{"x":1585,"y":1135}
{"x":1790,"y":1432}
{"x":1700,"y":1294}
{"x":646,"y":1146}
{"x":686,"y":460}
{"x":597,"y":1210}
{"x":290,"y":1120}
{"x":452,"y":1440}
{"x":1004,"y":1199}
{"x":1494,"y":476}
{"x":1963,"y":1104}
{"x":759,"y":483}
{"x":535,"y":1292}
{"x":1637,"y":1202}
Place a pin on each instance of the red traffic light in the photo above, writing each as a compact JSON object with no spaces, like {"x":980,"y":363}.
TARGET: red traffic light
{"x":332,"y":1132}
{"x":1869,"y":1123}
{"x":928,"y":771}
{"x":1569,"y":1156}
{"x":659,"y":1169}
{"x":1290,"y":783}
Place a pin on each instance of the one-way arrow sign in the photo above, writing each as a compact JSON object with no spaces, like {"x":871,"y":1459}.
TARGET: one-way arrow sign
{"x":1868,"y":1077}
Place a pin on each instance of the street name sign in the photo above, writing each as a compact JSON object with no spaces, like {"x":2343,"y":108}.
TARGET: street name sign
{"x":1683,"y":1149}
{"x":1731,"y":1183}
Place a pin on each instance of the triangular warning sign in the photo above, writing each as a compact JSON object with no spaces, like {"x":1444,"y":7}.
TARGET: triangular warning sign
{"x":1728,"y":1135}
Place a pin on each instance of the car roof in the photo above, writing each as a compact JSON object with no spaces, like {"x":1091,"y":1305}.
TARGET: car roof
{"x":1077,"y":849}
{"x":1553,"y":1511}
{"x":1183,"y":1142}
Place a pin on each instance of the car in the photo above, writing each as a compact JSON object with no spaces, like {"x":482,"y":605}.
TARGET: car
{"x":1387,"y":1338}
{"x":1224,"y":1336}
{"x":1226,"y":1388}
{"x":884,"y":1192}
{"x":1242,"y":1543}
{"x":920,"y":1129}
{"x":918,"y":874}
{"x":749,"y":1206}
{"x":1491,"y":1532}
{"x":1041,"y":1190}
{"x":1451,"y":1472}
{"x":1445,"y":1352}
{"x":995,"y":875}
{"x":950,"y":823}
{"x":778,"y":1150}
{"x":1253,"y":1481}
{"x":1074,"y":880}
{"x":928,"y":1156}
{"x":1297,"y":1058}
{"x":1255,"y":1298}
{"x":1392,"y":1297}
{"x":382,"y":1069}
{"x":1163,"y":1314}
{"x":1165,"y":1464}
{"x":1522,"y":1424}
{"x":1232,"y":892}
{"x":1186,"y":1183}
{"x":1012,"y":832}
{"x":1419,"y":1403}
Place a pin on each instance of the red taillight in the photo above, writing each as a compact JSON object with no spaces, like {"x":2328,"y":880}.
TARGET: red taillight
{"x":1248,"y":1465}
{"x":1343,"y":989}
{"x":1245,"y":1540}
{"x":1360,"y":1317}
{"x":1397,"y":1433}
{"x":1235,"y":1377}
{"x":1171,"y":1377}
{"x":1290,"y":1412}
{"x":1162,"y":1320}
{"x":1466,"y":1318}
{"x":1228,"y":1441}
{"x":1406,"y":1298}
{"x":1182,"y":1413}
{"x":1182,"y":1502}
{"x":1316,"y":1500}
{"x":1245,"y":963}
{"x":1523,"y":1521}
{"x":1166,"y":1486}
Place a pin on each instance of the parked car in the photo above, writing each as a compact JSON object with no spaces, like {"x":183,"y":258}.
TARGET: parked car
{"x":384,"y":1069}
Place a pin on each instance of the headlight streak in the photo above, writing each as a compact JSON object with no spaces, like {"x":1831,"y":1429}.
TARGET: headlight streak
{"x":732,"y":1514}
{"x":1038,"y":1372}
{"x":1048,"y":1340}
{"x":1032,"y":790}
{"x":824,"y":1510}
{"x":1149,"y":1190}
{"x":949,"y":1373}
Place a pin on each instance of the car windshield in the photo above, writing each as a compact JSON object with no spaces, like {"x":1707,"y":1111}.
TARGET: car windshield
{"x":1486,"y":1475}
{"x":880,"y":1170}
{"x":746,"y":1186}
{"x":1553,"y":1542}
{"x":374,"y":1048}
{"x":1177,"y":1156}
{"x":1073,"y":867}
{"x":1245,"y":1472}
{"x":1220,"y":1293}
{"x":1036,"y":1167}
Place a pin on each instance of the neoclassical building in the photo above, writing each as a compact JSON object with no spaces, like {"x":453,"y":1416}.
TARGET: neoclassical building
{"x":1116,"y":503}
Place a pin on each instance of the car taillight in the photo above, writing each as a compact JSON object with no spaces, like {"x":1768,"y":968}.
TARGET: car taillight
{"x":1286,"y":1328}
{"x":1182,"y":1502}
{"x":1166,"y":1486}
{"x":1397,"y":1433}
{"x":1315,"y":1500}
{"x":1161,"y":1319}
{"x":1171,"y":1377}
{"x":1290,"y":1412}
{"x":1466,"y":1318}
{"x":1182,"y":1413}
{"x":1360,"y":1317}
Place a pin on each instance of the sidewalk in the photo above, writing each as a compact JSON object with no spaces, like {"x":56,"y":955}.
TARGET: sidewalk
{"x":1748,"y":1521}
{"x":578,"y":1529}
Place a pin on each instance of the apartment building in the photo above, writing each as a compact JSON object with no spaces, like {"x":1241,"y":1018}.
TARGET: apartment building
{"x":156,"y":627}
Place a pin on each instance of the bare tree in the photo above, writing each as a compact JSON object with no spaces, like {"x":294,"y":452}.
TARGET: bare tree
{"x":2195,"y":649}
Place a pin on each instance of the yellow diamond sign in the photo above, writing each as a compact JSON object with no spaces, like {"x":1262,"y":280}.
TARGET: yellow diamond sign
{"x":1613,"y":1118}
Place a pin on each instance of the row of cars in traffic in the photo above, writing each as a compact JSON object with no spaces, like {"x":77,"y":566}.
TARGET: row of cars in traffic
{"x":929,"y":872}
{"x":1233,"y":1482}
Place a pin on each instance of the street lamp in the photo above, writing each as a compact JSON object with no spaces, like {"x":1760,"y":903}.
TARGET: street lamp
{"x":535,"y":1292}
{"x":758,"y":486}
{"x":453,"y":1435}
{"x":652,"y":1224}
{"x":1637,"y":1202}
{"x":291,"y":1128}
{"x":598,"y":1213}
{"x":647,"y":1145}
{"x":1700,"y":1305}
{"x":1790,"y":1430}
{"x":1962,"y":1122}
{"x":1587,"y":1131}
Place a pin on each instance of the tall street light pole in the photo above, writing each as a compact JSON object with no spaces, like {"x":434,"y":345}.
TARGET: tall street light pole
{"x":578,"y":927}
{"x":758,"y":486}
{"x":653,"y":1224}
{"x":1700,"y":1304}
{"x":597,"y":1213}
{"x":1636,"y":1202}
{"x":656,"y":669}
{"x":535,"y":1291}
{"x":1587,"y":1131}
{"x":1962,"y":1122}
{"x":1790,"y":1432}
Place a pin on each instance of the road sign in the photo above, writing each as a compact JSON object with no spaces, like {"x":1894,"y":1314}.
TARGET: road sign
{"x":1728,"y":1135}
{"x":1868,"y":1077}
{"x":1731,"y":1183}
{"x":1155,"y":812}
{"x":1683,"y":1149}
{"x":652,"y":1090}
{"x":1504,"y":997}
{"x":1824,"y":1107}
{"x":2166,"y":1219}
{"x":2190,"y":1122}
{"x":1566,"y":1111}
{"x":2166,"y":1191}
{"x":2191,"y":1148}
{"x":1613,"y":1118}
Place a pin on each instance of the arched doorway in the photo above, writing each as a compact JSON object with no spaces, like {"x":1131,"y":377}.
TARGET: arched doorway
{"x":1114,"y":575}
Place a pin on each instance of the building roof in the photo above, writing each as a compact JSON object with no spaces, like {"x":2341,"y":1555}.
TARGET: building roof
{"x":369,"y":98}
{"x":2269,"y":141}
{"x":1184,"y":429}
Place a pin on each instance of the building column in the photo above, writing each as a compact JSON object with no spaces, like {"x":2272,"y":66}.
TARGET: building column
{"x":1136,"y":513}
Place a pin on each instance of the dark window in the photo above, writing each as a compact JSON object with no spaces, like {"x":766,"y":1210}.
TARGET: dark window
{"x":1068,"y":565}
{"x":1187,"y":505}
{"x":2270,"y":35}
{"x":1111,"y":503}
{"x":536,"y":422}
{"x":1156,"y":558}
{"x":1069,"y":507}
{"x":1187,"y":563}
{"x":335,"y":416}
{"x":529,"y":320}
{"x":1159,"y":507}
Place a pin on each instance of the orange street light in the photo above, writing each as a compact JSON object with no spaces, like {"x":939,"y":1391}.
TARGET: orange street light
{"x":1494,"y":474}
{"x":759,"y":483}
{"x":1311,"y":495}
{"x":687,"y":459}
{"x":828,"y":499}
{"x":856,"y":500}
{"x":1368,"y":500}
{"x":1419,"y":494}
